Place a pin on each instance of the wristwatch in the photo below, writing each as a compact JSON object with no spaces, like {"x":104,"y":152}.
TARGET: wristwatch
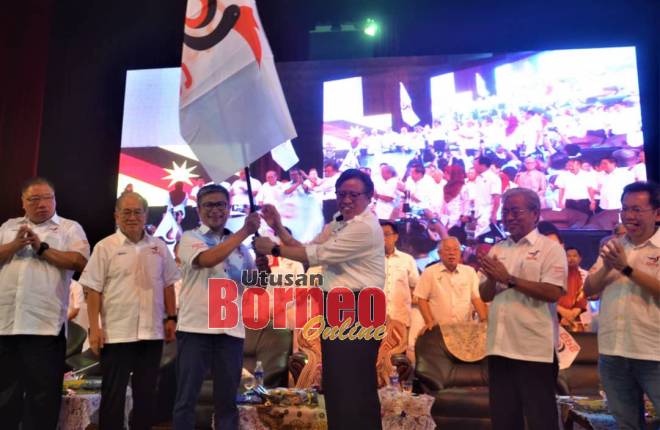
{"x":42,"y":248}
{"x":511,"y":283}
{"x":171,"y":318}
{"x":627,"y":271}
{"x":275,"y":252}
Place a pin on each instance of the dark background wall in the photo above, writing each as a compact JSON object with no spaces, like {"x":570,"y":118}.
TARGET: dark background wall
{"x":64,"y":66}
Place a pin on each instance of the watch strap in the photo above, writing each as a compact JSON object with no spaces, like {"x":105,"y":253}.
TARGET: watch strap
{"x":627,"y":271}
{"x":42,"y":248}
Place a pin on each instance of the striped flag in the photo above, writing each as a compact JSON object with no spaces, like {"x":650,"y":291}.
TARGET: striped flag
{"x":232,"y":109}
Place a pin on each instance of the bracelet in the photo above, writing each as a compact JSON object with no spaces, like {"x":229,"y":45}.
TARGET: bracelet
{"x":171,"y":318}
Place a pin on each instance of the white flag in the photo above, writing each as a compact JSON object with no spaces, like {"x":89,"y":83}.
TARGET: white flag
{"x":232,"y":109}
{"x":407,"y":113}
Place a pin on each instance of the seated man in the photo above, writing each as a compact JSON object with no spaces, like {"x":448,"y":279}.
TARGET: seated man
{"x":447,"y":291}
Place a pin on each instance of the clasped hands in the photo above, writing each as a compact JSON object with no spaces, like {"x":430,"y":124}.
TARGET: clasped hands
{"x":613,"y":255}
{"x":494,"y":269}
{"x":25,"y":236}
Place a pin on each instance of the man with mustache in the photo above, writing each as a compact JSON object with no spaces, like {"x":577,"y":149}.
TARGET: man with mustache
{"x":351,"y":250}
{"x":523,"y":277}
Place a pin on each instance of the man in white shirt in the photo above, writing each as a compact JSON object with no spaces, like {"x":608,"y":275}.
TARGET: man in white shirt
{"x":420,"y":187}
{"x":487,"y":192}
{"x":400,"y":276}
{"x":386,"y":193}
{"x":326,"y":189}
{"x":351,"y":251}
{"x":610,"y":185}
{"x":39,"y":253}
{"x":627,"y":276}
{"x":532,"y":178}
{"x":210,"y":251}
{"x":239,"y":190}
{"x":524,"y":276}
{"x":130,"y":282}
{"x":576,"y":188}
{"x":448,"y":291}
{"x":271,"y":192}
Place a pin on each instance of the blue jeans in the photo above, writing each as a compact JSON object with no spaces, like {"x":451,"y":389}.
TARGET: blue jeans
{"x":196,"y":353}
{"x":625,"y":381}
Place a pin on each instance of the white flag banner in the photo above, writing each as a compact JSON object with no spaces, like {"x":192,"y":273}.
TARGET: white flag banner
{"x":482,"y":90}
{"x":285,"y":155}
{"x":407,"y":113}
{"x":232,"y":109}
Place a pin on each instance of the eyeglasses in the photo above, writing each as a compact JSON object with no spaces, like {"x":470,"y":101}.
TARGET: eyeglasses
{"x":36,"y":199}
{"x":208,"y":206}
{"x":513,"y":212}
{"x":635,"y":210}
{"x":126,"y":213}
{"x":341,"y":195}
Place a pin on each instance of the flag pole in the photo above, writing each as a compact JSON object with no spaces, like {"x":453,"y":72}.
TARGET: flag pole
{"x":253,"y":207}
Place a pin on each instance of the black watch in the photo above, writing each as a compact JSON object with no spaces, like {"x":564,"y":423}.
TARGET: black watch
{"x":42,"y":248}
{"x":276,"y":251}
{"x":627,"y":271}
{"x":171,"y":318}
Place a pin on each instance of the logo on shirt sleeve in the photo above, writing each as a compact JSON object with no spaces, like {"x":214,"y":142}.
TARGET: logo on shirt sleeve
{"x":653,"y":261}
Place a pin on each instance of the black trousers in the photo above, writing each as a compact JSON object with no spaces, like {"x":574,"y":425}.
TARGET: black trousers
{"x":350,"y":383}
{"x":118,"y":360}
{"x":579,"y":205}
{"x":522,"y":390}
{"x":31,"y":371}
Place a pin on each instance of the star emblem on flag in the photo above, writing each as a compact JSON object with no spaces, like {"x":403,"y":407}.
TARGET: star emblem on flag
{"x":181,"y":173}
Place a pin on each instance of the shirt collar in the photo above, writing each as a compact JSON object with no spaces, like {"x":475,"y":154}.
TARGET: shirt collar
{"x":55,"y":219}
{"x":653,"y":240}
{"x":205,"y":229}
{"x":530,"y":238}
{"x":444,"y":268}
{"x":123,"y":239}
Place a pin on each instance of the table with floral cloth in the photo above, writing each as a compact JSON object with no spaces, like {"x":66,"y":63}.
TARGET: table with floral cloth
{"x":400,"y":410}
{"x":80,"y":409}
{"x":283,"y":417}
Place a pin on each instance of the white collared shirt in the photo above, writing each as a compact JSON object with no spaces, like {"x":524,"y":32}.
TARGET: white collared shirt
{"x":388,"y":188}
{"x":34,"y":294}
{"x":519,"y":326}
{"x":327,"y":187}
{"x":352,"y":253}
{"x":270,"y":194}
{"x":131,"y":278}
{"x":239,"y":191}
{"x":400,"y":279}
{"x":486,"y":185}
{"x":575,"y":186}
{"x":611,"y":187}
{"x":194,"y":298}
{"x":449,"y":294}
{"x":629,"y":318}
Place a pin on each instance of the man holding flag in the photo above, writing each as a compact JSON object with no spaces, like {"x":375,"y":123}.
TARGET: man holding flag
{"x":229,"y":84}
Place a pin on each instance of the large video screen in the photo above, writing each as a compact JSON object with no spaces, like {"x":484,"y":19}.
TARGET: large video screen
{"x":442,"y":139}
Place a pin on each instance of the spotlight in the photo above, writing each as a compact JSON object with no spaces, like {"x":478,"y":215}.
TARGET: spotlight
{"x":371,"y":27}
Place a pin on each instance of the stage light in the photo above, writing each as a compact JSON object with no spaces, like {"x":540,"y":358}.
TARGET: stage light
{"x":371,"y":27}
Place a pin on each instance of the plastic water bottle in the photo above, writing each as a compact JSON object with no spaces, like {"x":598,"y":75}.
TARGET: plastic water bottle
{"x":471,"y":226}
{"x":259,"y":374}
{"x":394,"y":380}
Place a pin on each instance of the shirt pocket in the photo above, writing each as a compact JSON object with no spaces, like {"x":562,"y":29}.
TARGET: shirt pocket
{"x":530,"y":270}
